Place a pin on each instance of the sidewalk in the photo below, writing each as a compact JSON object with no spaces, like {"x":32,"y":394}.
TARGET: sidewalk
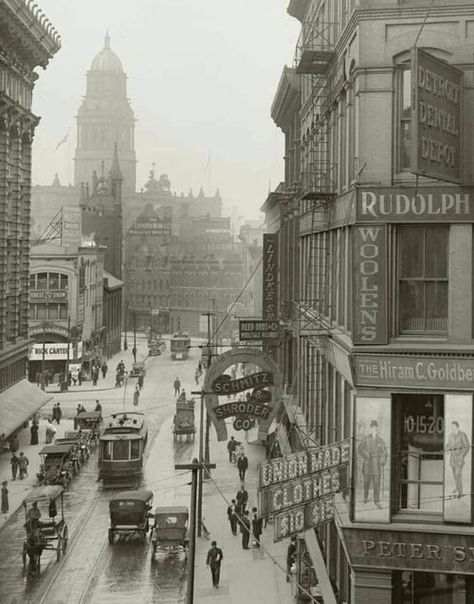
{"x":247,"y":577}
{"x":18,"y":489}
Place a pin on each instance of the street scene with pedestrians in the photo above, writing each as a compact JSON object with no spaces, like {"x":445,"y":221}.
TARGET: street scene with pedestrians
{"x":237,"y":302}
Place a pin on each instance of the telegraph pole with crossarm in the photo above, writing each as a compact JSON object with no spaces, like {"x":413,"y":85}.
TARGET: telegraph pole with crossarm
{"x":195,"y":467}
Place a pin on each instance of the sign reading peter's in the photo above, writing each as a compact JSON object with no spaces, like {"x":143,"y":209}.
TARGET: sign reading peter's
{"x":370,"y":321}
{"x":436,"y":117}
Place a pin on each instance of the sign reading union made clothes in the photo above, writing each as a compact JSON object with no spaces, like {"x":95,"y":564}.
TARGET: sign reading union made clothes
{"x":436,"y":117}
{"x":299,"y":489}
{"x":370,"y":284}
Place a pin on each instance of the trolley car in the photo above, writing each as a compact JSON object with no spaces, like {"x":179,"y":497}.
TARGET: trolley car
{"x":179,"y":346}
{"x":122,"y":443}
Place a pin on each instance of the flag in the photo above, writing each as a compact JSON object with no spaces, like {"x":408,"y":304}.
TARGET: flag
{"x":208,"y":162}
{"x":62,"y":141}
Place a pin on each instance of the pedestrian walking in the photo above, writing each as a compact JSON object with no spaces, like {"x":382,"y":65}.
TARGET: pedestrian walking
{"x":291,"y":553}
{"x":177,"y":386}
{"x":34,"y":434}
{"x":79,"y":377}
{"x":23,"y":465}
{"x":104,"y":368}
{"x":136,"y":395}
{"x":50,"y":432}
{"x":242,"y":497}
{"x":95,"y":376}
{"x":5,"y":506}
{"x":232,"y":516}
{"x":231,"y":447}
{"x":141,"y":380}
{"x":59,"y":414}
{"x":14,"y":443}
{"x":214,"y":559}
{"x":98,"y":407}
{"x":242,"y":465}
{"x":14,"y":465}
{"x":245,"y":529}
{"x":38,"y":378}
{"x":257,"y":523}
{"x":134,"y":352}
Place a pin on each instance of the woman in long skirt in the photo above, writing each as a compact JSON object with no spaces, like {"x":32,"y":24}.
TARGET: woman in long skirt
{"x":5,"y":506}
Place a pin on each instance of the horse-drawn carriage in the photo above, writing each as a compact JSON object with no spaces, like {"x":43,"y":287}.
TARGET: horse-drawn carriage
{"x":46,"y":529}
{"x":89,"y":420}
{"x":169,"y":535}
{"x":184,"y":426}
{"x":86,"y":441}
{"x":57,"y":465}
{"x":130,"y":515}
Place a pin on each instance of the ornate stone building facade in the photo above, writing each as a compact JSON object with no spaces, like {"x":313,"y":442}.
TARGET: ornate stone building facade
{"x":27,"y":41}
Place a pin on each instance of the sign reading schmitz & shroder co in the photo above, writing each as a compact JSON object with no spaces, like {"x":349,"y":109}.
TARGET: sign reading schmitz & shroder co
{"x":437,"y":90}
{"x":299,"y":489}
{"x":224,"y":385}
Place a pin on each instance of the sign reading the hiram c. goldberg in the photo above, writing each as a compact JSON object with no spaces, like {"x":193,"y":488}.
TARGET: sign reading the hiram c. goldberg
{"x":410,"y":204}
{"x":437,"y":89}
{"x":299,"y":489}
{"x":400,"y":371}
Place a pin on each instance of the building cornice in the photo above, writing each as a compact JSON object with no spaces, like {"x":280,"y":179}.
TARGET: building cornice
{"x":287,"y":96}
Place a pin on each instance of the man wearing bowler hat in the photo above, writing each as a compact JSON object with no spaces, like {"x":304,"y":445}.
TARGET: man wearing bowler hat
{"x":373,"y":451}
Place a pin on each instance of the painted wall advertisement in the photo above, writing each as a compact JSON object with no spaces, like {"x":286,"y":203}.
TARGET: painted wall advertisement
{"x":372,"y":459}
{"x":299,"y":489}
{"x":270,"y":277}
{"x":457,"y":458}
{"x":437,"y":89}
{"x":370,"y":284}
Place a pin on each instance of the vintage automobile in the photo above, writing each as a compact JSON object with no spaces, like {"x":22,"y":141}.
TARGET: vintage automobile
{"x":137,"y":369}
{"x":45,"y":528}
{"x":156,"y":347}
{"x":169,"y":535}
{"x":57,"y":465}
{"x":184,"y":427}
{"x":130,"y":515}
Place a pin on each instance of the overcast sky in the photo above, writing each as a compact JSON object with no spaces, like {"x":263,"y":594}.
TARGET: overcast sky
{"x":201,"y":78}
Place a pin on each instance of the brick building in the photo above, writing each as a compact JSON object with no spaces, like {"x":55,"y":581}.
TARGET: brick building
{"x":382,"y":319}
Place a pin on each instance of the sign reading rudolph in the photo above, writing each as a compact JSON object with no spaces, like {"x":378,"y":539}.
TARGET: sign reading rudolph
{"x":258,"y":406}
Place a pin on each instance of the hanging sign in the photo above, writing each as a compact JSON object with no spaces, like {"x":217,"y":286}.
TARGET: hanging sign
{"x":224,"y":385}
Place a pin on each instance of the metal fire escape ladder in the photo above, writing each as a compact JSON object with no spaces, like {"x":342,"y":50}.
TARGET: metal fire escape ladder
{"x":314,"y":56}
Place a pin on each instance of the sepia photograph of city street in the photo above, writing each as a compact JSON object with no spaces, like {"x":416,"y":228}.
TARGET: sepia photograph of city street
{"x":237,"y":302}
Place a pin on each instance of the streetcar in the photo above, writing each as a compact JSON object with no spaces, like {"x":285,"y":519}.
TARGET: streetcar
{"x":180,"y":344}
{"x":122,"y":444}
{"x":45,"y":528}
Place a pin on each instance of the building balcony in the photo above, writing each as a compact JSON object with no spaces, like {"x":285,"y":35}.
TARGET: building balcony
{"x":314,"y":52}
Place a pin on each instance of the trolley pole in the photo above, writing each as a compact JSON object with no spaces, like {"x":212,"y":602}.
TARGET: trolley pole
{"x":201,"y":435}
{"x":195,"y":466}
{"x":208,"y":366}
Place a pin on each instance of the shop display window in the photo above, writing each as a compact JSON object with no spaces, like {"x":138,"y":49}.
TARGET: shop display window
{"x":432,"y":588}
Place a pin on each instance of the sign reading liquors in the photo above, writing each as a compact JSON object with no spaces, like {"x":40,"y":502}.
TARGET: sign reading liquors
{"x":370,"y":321}
{"x":410,"y":204}
{"x":436,"y":117}
{"x":414,"y":371}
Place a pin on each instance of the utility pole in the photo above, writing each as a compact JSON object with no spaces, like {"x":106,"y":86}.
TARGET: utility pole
{"x":195,"y":467}
{"x":208,"y":366}
{"x":66,"y":376}
{"x":43,"y":385}
{"x":125,"y":344}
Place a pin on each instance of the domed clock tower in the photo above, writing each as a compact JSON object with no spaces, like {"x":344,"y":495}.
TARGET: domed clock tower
{"x":104,"y":119}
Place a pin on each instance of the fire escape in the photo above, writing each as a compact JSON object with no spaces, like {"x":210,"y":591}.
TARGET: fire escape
{"x":314,"y":59}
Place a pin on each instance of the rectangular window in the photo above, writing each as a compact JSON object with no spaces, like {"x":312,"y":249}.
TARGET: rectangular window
{"x":53,"y":311}
{"x":135,"y":449}
{"x":107,"y":450}
{"x":419,"y":456}
{"x":404,"y":135}
{"x":41,"y":311}
{"x":423,"y":279}
{"x":121,"y":449}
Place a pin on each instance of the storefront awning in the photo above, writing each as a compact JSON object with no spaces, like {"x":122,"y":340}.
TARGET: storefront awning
{"x":18,"y":403}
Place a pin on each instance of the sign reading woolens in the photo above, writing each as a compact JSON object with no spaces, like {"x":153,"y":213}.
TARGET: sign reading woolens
{"x":414,"y":372}
{"x":436,"y":117}
{"x":370,"y":285}
{"x":407,"y":204}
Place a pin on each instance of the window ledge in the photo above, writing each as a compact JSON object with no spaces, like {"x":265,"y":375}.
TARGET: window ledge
{"x":417,"y":517}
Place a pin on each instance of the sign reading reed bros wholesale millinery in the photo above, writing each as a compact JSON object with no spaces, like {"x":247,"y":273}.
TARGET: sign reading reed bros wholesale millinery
{"x":299,"y":489}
